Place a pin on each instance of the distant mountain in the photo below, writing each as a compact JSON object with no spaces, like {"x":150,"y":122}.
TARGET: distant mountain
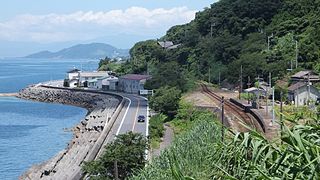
{"x":83,"y":51}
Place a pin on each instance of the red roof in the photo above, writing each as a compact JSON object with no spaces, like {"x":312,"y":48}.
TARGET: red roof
{"x":135,"y":76}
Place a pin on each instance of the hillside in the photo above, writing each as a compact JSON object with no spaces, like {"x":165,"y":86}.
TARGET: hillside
{"x":83,"y":51}
{"x":232,"y":33}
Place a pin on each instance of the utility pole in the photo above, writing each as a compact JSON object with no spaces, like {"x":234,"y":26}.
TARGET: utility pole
{"x":258,"y":102}
{"x":267,"y":94}
{"x":308,"y":88}
{"x":222,"y":118}
{"x":248,"y":85}
{"x":209,"y":74}
{"x":269,"y":37}
{"x":211,"y":29}
{"x":273,"y":114}
{"x":240,"y":90}
{"x":219,"y":78}
{"x":281,"y":110}
{"x":297,"y":54}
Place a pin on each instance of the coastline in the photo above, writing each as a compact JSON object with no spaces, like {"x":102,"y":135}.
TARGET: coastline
{"x":87,"y":135}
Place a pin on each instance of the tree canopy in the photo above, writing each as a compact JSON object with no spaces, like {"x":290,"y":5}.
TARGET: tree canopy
{"x":124,"y":155}
{"x":234,"y":32}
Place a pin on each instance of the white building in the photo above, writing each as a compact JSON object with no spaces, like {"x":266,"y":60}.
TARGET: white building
{"x":300,"y":93}
{"x":257,"y":92}
{"x":92,"y":83}
{"x":108,"y":83}
{"x":132,"y":83}
{"x":86,"y":78}
{"x":72,"y":78}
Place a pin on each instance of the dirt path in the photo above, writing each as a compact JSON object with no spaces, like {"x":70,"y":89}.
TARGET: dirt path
{"x":166,"y":140}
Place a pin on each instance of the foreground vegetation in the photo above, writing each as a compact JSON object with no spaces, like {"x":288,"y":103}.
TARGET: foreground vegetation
{"x":156,"y":130}
{"x":201,"y":154}
{"x":121,"y":158}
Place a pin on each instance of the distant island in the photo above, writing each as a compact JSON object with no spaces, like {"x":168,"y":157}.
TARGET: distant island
{"x":83,"y":51}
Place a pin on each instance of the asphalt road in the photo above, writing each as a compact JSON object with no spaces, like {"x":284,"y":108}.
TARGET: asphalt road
{"x":129,"y":120}
{"x":128,"y":117}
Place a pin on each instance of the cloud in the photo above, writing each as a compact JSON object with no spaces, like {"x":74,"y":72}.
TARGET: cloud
{"x":90,"y":25}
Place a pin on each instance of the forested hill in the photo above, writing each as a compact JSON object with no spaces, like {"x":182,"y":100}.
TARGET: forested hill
{"x":232,"y":33}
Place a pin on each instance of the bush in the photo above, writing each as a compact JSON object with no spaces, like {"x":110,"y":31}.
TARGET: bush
{"x":156,"y":129}
{"x":165,"y":100}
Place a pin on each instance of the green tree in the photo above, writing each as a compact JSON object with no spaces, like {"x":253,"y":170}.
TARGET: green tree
{"x":126,"y":154}
{"x":165,"y":100}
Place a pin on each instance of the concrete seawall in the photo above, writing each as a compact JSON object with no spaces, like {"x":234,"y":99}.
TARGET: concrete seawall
{"x":8,"y":94}
{"x":88,"y":134}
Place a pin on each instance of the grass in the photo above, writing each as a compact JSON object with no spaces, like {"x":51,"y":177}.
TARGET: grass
{"x":156,"y":130}
{"x":199,"y":153}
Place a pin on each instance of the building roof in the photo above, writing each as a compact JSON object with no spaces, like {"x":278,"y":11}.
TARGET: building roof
{"x":94,"y":74}
{"x":174,"y":46}
{"x":302,"y":74}
{"x":296,"y":86}
{"x":73,"y":71}
{"x":135,"y":77}
{"x":165,"y":44}
{"x":252,"y":89}
{"x":109,"y":78}
{"x":92,"y":80}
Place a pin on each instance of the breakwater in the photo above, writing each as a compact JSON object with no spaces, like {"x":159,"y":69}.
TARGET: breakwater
{"x":88,"y":134}
{"x":8,"y":94}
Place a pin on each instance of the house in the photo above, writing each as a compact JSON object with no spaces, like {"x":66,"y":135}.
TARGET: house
{"x":304,"y":76}
{"x":257,"y":92}
{"x":300,"y":93}
{"x":73,"y":74}
{"x":108,"y":83}
{"x":92,"y":83}
{"x":71,"y":79}
{"x":91,"y":77}
{"x":132,"y":83}
{"x":168,"y":44}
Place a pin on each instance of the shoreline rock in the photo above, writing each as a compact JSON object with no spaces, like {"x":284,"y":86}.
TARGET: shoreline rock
{"x":85,"y":134}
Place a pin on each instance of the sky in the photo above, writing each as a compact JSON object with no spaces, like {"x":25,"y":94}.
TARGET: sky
{"x":28,"y":26}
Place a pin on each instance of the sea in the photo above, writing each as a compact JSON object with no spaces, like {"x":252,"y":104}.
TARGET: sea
{"x":33,"y":132}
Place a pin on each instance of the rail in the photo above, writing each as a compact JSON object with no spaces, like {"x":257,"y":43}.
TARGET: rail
{"x":239,"y":111}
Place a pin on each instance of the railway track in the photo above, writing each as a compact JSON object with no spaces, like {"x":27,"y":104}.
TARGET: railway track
{"x":231,"y":108}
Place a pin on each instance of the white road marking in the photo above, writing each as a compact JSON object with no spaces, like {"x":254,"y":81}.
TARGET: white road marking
{"x":124,"y":116}
{"x":134,"y":118}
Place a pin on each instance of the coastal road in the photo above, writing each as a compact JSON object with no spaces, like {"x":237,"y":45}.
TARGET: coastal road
{"x":129,"y":122}
{"x":127,"y":119}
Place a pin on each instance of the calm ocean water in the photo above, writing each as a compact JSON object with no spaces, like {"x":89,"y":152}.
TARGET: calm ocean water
{"x":32,"y":132}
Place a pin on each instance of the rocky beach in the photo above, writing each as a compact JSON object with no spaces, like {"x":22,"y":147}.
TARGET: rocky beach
{"x":88,"y":135}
